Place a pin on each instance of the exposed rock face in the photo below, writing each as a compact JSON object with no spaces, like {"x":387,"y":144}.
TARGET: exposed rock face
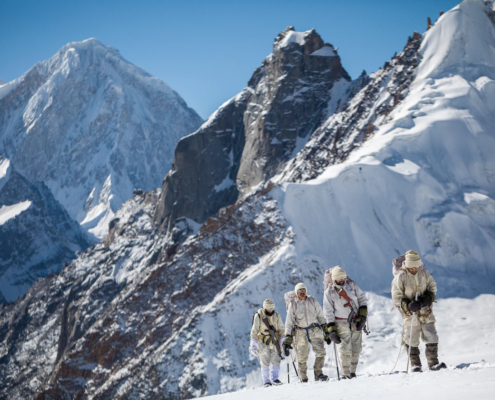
{"x":251,"y":137}
{"x":92,"y":127}
{"x":366,"y":105}
{"x":36,"y":234}
{"x":92,"y":337}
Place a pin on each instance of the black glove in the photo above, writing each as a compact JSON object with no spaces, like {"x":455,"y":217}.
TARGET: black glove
{"x":414,"y":306}
{"x":326,"y":333}
{"x":426,"y":300}
{"x":287,"y":345}
{"x":361,"y":322}
{"x":362,"y":317}
{"x":287,"y":349}
{"x":334,"y":336}
{"x":327,"y":338}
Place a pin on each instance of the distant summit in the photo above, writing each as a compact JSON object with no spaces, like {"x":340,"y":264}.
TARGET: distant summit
{"x":92,"y":127}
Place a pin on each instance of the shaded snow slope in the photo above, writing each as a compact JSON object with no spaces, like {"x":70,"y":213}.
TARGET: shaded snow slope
{"x":93,"y":127}
{"x":36,"y":235}
{"x":425,"y":179}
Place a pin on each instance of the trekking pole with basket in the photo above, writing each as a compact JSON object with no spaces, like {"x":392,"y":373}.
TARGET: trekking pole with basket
{"x":336,"y":360}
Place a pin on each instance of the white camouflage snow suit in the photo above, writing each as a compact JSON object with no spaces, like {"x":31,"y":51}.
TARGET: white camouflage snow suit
{"x":303,"y":322}
{"x":404,"y":286}
{"x":268,"y":354}
{"x":335,"y":311}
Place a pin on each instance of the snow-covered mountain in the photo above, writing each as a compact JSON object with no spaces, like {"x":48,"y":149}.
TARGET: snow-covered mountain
{"x":92,"y":127}
{"x":36,"y":235}
{"x":402,"y":159}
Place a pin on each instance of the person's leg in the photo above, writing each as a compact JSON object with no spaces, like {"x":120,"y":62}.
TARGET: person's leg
{"x":430,"y":337}
{"x":302,"y":350}
{"x":317,"y":341}
{"x":415,"y":331}
{"x":345,"y":348}
{"x":264,"y":362}
{"x":357,"y":346}
{"x":274,"y":364}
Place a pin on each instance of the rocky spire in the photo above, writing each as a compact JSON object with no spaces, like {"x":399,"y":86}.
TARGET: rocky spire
{"x":251,"y":137}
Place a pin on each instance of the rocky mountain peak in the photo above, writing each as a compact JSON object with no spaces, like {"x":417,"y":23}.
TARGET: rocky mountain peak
{"x":250,"y":138}
{"x":308,"y":42}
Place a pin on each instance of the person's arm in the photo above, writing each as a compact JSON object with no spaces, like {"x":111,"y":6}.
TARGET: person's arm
{"x":289,"y":323}
{"x":319,"y":313}
{"x":280,"y":327}
{"x":328,"y":307}
{"x":431,"y":286}
{"x":397,"y":290}
{"x":361,"y":296}
{"x":256,"y":327}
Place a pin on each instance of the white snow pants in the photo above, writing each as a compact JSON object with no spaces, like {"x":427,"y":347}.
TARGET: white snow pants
{"x":428,"y":332}
{"x":350,"y":347}
{"x":270,"y":362}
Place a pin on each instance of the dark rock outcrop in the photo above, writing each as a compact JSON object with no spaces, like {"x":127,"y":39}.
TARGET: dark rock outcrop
{"x":251,"y":137}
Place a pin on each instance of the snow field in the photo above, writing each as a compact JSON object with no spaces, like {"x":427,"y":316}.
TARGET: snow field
{"x":466,"y":333}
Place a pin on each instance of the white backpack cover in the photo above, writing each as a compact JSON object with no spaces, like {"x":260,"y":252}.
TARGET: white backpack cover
{"x":289,"y":297}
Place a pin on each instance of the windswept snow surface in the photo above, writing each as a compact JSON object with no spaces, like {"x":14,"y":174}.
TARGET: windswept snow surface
{"x":465,"y":329}
{"x":411,"y":185}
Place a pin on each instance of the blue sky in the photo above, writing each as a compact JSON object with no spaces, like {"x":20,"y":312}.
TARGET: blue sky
{"x":207,"y":50}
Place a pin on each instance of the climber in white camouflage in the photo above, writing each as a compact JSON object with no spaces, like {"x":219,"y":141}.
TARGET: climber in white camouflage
{"x":411,"y":278}
{"x":346,"y":311}
{"x":304,"y":325}
{"x":267,"y":332}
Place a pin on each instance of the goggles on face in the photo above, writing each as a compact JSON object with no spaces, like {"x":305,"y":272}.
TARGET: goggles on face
{"x":301,"y":290}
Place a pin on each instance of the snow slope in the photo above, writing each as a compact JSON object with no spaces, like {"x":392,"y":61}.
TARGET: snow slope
{"x":92,"y":127}
{"x":425,"y":180}
{"x":466,"y":351}
{"x":37,"y":235}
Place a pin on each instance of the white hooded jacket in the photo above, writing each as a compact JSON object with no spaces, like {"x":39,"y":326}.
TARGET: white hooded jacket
{"x":306,"y":313}
{"x":333,"y":303}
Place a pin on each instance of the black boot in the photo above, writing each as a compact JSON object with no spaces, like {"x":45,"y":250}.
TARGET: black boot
{"x":438,"y":367}
{"x":322,"y":378}
{"x":432,"y":357}
{"x":277,"y":382}
{"x":415,"y":360}
{"x":353,"y":375}
{"x":267,"y":384}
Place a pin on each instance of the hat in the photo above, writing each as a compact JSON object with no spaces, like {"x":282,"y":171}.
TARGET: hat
{"x":300,"y":286}
{"x":269,"y":305}
{"x":338,"y":273}
{"x":412,"y":260}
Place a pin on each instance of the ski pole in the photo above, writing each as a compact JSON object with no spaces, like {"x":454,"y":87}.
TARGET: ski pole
{"x":336,"y":360}
{"x":288,"y":374}
{"x":410,"y":337}
{"x":294,"y":365}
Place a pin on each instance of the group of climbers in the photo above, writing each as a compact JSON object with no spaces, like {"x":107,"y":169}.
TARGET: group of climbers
{"x":342,"y":321}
